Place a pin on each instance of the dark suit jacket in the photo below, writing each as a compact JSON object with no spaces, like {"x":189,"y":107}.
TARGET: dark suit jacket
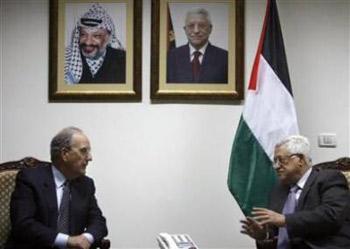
{"x":213,"y":68}
{"x":111,"y":71}
{"x":34,"y":210}
{"x":322,"y":217}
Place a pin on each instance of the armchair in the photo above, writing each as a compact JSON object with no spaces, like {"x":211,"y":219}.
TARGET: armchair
{"x":8,"y":172}
{"x":342,"y":164}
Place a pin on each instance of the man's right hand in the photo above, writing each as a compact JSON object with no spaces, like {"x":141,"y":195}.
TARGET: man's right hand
{"x":253,"y":228}
{"x":78,"y":242}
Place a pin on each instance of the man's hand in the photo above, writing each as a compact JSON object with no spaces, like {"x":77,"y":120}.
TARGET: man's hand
{"x":78,"y":242}
{"x":268,"y":217}
{"x":253,"y":228}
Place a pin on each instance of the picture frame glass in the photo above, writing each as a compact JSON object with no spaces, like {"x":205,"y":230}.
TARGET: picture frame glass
{"x":222,"y":59}
{"x":93,"y":55}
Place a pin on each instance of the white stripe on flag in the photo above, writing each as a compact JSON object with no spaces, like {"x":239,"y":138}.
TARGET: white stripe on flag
{"x":270,"y":112}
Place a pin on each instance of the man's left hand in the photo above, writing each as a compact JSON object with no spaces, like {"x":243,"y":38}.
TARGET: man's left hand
{"x":268,"y":217}
{"x":78,"y":242}
{"x":252,"y":228}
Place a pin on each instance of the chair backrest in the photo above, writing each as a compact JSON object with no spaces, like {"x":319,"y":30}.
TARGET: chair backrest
{"x":342,"y":164}
{"x":8,"y":172}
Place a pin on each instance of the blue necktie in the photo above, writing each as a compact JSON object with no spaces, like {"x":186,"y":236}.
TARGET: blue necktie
{"x":63,"y":216}
{"x":289,"y":208}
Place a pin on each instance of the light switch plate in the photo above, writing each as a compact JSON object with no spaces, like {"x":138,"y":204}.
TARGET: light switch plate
{"x":327,"y":140}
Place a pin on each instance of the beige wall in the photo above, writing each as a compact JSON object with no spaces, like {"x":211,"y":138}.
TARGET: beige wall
{"x":163,"y":167}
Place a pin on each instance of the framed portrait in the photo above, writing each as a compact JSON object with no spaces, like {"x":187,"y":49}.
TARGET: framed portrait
{"x":95,"y":50}
{"x":197,"y":50}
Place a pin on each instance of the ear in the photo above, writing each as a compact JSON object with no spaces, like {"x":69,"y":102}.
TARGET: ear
{"x":302,"y":161}
{"x":64,"y":153}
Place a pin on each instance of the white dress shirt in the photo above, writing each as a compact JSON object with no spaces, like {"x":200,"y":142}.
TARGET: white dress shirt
{"x":301,"y":182}
{"x":61,"y":238}
{"x":202,"y":50}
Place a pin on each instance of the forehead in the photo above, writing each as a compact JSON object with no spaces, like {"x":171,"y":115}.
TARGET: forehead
{"x":281,"y":150}
{"x":93,"y":31}
{"x":196,"y":18}
{"x":80,"y":140}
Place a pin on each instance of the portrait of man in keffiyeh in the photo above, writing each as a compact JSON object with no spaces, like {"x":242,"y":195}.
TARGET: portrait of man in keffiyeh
{"x":94,"y":54}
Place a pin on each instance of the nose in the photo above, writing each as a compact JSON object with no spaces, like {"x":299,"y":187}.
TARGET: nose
{"x":196,"y":28}
{"x":88,"y":40}
{"x":276,"y":165}
{"x":89,"y":158}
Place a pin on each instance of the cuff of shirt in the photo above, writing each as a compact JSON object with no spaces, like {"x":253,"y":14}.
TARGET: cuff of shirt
{"x":61,"y":240}
{"x":89,"y":237}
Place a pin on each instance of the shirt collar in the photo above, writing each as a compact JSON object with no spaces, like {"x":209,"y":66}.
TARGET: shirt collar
{"x":58,"y":177}
{"x":303,"y":179}
{"x":202,"y":49}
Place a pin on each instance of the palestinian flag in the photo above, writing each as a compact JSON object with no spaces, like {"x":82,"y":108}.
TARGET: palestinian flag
{"x":268,"y":116}
{"x":171,"y":33}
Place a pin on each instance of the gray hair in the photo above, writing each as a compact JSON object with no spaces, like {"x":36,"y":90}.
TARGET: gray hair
{"x":199,"y":11}
{"x":297,"y":144}
{"x":62,"y":140}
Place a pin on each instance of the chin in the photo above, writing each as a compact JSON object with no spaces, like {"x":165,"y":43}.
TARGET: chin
{"x":286,"y":182}
{"x":90,"y":56}
{"x":198,"y":43}
{"x":283,"y":180}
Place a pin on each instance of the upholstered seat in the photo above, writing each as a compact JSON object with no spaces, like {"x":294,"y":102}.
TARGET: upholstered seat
{"x":342,"y":164}
{"x":8,"y":172}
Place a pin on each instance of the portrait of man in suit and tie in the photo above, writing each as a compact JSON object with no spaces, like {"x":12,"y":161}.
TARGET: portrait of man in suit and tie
{"x":198,"y":61}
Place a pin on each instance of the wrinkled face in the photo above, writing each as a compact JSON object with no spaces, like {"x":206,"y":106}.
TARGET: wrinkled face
{"x":197,"y":29}
{"x":93,"y":42}
{"x":76,"y":157}
{"x":289,"y":167}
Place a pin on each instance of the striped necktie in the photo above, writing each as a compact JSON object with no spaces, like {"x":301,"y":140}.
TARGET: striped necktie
{"x":196,"y":66}
{"x":63,"y":216}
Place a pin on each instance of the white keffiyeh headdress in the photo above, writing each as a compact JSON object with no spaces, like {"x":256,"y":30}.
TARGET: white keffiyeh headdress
{"x":96,"y":17}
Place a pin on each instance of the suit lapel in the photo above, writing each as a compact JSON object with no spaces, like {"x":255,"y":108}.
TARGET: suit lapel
{"x":207,"y":56}
{"x":281,"y":198}
{"x":306,"y":189}
{"x":185,"y":62}
{"x":76,"y":201}
{"x":51,"y":196}
{"x":206,"y":63}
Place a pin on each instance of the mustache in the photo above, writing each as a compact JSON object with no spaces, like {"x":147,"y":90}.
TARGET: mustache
{"x":84,"y":45}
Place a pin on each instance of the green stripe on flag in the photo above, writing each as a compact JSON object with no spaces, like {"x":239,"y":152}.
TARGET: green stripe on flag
{"x":251,"y":176}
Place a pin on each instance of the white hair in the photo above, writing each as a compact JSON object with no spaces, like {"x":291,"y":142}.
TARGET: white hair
{"x":199,"y":11}
{"x":297,"y":144}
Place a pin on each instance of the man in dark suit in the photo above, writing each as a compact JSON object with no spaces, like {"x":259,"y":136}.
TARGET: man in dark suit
{"x":95,"y":55}
{"x":54,"y":206}
{"x":198,"y":61}
{"x":309,"y":208}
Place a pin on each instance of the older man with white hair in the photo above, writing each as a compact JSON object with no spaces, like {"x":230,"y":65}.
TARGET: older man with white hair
{"x":95,"y":55}
{"x":309,"y":208}
{"x":198,"y":61}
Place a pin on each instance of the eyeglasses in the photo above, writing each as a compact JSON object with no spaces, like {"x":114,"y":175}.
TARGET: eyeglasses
{"x":278,"y":161}
{"x":200,"y":26}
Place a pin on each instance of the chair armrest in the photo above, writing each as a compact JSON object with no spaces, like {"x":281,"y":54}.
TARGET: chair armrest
{"x":105,"y":244}
{"x":266,"y":244}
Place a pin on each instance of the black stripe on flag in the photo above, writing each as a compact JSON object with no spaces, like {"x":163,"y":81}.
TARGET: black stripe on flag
{"x":273,"y":48}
